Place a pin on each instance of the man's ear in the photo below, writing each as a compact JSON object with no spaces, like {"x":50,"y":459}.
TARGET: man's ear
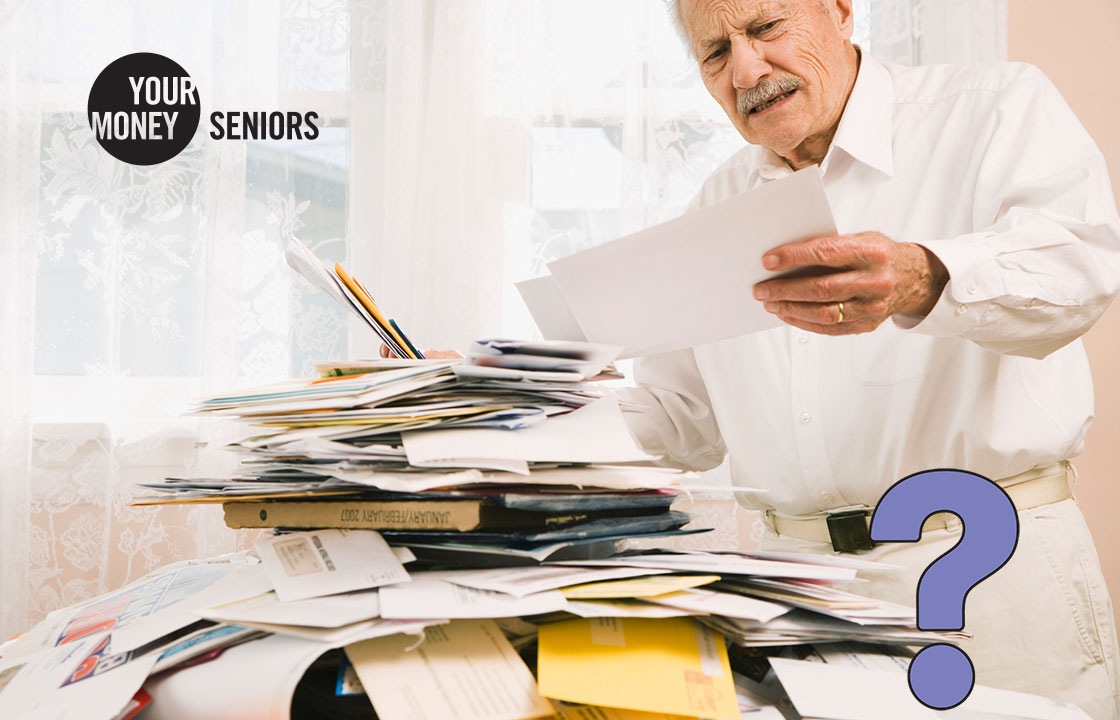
{"x":841,"y":11}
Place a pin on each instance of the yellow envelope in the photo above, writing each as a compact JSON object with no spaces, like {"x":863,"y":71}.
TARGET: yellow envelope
{"x":673,"y":665}
{"x":636,"y":587}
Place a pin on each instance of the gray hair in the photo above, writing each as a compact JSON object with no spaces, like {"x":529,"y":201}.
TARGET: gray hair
{"x":677,"y":19}
{"x":678,"y":23}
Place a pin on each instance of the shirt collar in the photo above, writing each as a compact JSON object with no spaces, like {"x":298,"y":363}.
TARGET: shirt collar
{"x":865,"y":130}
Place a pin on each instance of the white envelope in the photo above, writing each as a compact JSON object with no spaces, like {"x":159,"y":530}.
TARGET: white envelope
{"x":424,"y":599}
{"x":595,"y":433}
{"x":326,"y":562}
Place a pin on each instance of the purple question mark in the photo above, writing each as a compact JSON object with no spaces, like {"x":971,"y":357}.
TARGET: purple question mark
{"x":941,"y":675}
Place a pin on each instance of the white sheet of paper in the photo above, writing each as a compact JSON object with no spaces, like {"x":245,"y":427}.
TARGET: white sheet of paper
{"x":302,"y":260}
{"x":252,"y":681}
{"x":346,"y":634}
{"x":595,"y":433}
{"x":28,"y":680}
{"x":719,"y":603}
{"x":832,"y":692}
{"x":526,"y":579}
{"x":326,"y":562}
{"x":102,"y":695}
{"x":625,"y":608}
{"x":327,"y":612}
{"x":690,"y":281}
{"x":246,"y":583}
{"x":549,"y":309}
{"x":497,"y":373}
{"x":466,"y":670}
{"x":721,"y":565}
{"x":143,"y":611}
{"x":820,"y":559}
{"x":437,"y":599}
{"x":56,"y":683}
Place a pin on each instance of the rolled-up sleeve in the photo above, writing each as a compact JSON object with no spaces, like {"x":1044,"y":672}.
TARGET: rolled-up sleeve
{"x":1044,"y":263}
{"x":669,"y":412}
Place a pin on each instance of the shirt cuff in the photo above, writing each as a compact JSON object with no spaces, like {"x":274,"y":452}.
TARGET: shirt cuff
{"x":973,"y":283}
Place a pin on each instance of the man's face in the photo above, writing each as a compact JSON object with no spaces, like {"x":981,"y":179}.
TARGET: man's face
{"x":753,"y":51}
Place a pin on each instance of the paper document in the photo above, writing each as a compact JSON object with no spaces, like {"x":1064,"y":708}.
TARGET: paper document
{"x":832,"y":692}
{"x":698,"y":562}
{"x":524,"y":580}
{"x":595,"y":433}
{"x":437,"y":599}
{"x":254,"y":681}
{"x":137,"y":614}
{"x":688,"y":281}
{"x":325,"y":562}
{"x":549,"y":309}
{"x":722,"y":603}
{"x":466,"y":669}
{"x":672,"y":665}
{"x":640,"y":587}
{"x":27,"y":682}
{"x":331,"y":611}
{"x":624,"y":609}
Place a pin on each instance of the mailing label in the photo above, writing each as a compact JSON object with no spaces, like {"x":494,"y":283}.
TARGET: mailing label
{"x":703,"y":697}
{"x":297,"y":558}
{"x":608,"y":631}
{"x":709,"y":652}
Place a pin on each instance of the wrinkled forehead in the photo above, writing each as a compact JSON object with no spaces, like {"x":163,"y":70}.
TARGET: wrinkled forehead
{"x":707,"y":22}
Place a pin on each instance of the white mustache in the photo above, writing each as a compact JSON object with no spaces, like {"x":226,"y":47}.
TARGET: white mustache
{"x":766,"y":90}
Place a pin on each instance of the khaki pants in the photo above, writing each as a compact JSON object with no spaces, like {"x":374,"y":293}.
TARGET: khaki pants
{"x":1042,"y":624}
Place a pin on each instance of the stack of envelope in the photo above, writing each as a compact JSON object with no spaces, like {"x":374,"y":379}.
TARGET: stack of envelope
{"x":444,"y":545}
{"x":339,"y":624}
{"x":509,"y":452}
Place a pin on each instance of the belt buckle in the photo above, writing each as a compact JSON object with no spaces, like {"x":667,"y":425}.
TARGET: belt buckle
{"x":848,"y":531}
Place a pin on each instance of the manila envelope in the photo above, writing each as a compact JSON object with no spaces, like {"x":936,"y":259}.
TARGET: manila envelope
{"x":671,"y":665}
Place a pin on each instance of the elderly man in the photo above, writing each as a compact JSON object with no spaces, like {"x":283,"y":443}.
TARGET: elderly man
{"x":980,"y":241}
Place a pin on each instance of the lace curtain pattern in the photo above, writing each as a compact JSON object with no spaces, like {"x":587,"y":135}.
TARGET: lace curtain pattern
{"x":465,"y":143}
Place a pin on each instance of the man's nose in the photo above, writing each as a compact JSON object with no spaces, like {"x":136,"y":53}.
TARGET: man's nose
{"x":748,"y":63}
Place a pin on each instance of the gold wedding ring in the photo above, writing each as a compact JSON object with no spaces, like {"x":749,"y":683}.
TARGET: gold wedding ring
{"x":840,"y":307}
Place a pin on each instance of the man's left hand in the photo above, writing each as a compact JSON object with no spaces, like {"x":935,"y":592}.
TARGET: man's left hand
{"x":873,"y":276}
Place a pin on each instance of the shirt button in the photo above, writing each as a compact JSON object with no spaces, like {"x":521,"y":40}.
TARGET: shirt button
{"x":972,"y":288}
{"x":827,"y":498}
{"x":806,"y":418}
{"x":962,"y":309}
{"x":1033,"y":302}
{"x":802,"y":338}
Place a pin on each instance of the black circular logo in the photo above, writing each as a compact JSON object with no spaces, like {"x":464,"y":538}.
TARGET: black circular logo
{"x":143,"y":108}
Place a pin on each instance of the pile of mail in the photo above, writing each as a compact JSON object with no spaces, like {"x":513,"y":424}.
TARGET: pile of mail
{"x":509,"y":452}
{"x":332,"y":624}
{"x":445,"y":545}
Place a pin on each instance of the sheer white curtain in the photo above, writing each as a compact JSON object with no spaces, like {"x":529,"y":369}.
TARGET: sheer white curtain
{"x":467,"y":142}
{"x":125,"y":291}
{"x":925,"y":32}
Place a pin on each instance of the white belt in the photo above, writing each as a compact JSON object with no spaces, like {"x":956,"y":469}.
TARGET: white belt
{"x":1030,"y":489}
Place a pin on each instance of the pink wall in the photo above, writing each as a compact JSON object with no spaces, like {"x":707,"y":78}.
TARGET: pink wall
{"x":1074,"y":42}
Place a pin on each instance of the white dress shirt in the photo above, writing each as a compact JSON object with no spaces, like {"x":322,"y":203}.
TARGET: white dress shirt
{"x":988,"y":168}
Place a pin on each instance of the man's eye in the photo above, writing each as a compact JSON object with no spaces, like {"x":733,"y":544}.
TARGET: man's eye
{"x":765,"y":27}
{"x":716,"y":54}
